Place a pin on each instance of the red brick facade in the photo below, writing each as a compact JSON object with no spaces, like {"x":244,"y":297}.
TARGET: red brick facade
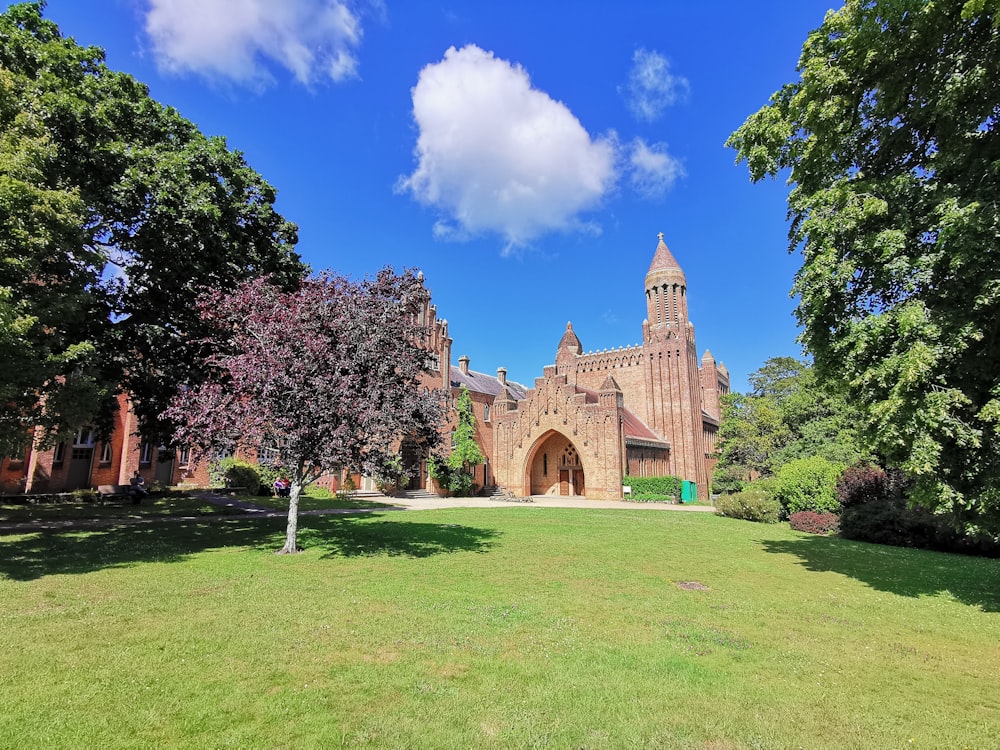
{"x":594,"y":418}
{"x":589,"y":421}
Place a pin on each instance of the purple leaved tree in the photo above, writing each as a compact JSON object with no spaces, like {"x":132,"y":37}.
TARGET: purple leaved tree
{"x":329,"y":375}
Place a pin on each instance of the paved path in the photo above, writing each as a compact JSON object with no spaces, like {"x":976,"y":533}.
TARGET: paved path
{"x":245,"y":509}
{"x":539,"y":501}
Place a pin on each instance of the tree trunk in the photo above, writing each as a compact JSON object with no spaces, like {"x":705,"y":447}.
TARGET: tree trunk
{"x":292,"y":529}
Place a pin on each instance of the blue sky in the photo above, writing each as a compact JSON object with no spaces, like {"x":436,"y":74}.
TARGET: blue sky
{"x":523,"y":155}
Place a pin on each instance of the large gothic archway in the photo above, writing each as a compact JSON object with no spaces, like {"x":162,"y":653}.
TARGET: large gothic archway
{"x":555,"y":467}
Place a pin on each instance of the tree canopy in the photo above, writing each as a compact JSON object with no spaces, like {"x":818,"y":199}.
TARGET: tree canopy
{"x":327,"y":376}
{"x":890,"y":139}
{"x":787,"y":416}
{"x":115,"y":214}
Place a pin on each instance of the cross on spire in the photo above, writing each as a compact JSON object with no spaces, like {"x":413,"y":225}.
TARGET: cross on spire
{"x":660,"y":235}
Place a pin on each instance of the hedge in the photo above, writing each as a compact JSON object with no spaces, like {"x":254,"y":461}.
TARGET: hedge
{"x":653,"y":489}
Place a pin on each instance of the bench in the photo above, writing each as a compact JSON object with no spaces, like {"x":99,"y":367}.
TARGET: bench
{"x":106,"y":492}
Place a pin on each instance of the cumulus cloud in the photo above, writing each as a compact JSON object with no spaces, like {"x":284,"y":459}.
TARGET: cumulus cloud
{"x":496,"y":155}
{"x":652,"y":170}
{"x":651,"y":87}
{"x":234,"y":40}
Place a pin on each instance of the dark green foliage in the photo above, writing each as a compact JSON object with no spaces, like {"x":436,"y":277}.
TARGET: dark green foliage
{"x":752,"y":504}
{"x":115,"y":213}
{"x":892,"y":143}
{"x":455,"y":480}
{"x":896,"y":523}
{"x":235,"y":472}
{"x":876,"y":508}
{"x":654,"y":489}
{"x":267,"y":474}
{"x":814,"y":523}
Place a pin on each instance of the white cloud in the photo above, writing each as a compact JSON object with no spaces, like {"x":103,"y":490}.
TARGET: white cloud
{"x":652,"y":170}
{"x":235,"y":39}
{"x":496,"y":155}
{"x":651,"y":87}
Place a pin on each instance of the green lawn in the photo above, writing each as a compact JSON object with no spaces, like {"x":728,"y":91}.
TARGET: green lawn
{"x":310,"y":502}
{"x":513,"y":627}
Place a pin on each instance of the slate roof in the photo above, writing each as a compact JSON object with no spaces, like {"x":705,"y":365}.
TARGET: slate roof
{"x":480,"y":382}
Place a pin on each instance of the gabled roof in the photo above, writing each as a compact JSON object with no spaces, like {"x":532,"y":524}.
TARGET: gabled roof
{"x":480,"y":382}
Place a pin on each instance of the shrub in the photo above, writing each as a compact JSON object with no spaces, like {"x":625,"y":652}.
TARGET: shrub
{"x":85,"y":496}
{"x":864,"y":484}
{"x":647,"y":489}
{"x":266,"y":475}
{"x":753,"y":504}
{"x":814,"y":523}
{"x":235,"y":472}
{"x":893,"y":522}
{"x":455,"y":480}
{"x":808,"y":484}
{"x":727,"y":479}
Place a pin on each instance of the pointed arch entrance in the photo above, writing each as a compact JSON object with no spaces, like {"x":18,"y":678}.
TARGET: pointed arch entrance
{"x":555,"y":467}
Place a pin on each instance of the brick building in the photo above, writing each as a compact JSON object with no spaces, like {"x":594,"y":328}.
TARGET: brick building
{"x":590,"y":419}
{"x":593,"y":418}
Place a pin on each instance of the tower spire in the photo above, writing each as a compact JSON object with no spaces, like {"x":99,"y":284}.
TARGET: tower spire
{"x":666,"y":291}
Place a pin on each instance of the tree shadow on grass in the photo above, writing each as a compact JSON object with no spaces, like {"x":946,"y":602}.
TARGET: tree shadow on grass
{"x":344,"y":536}
{"x":35,"y":555}
{"x":898,"y":570}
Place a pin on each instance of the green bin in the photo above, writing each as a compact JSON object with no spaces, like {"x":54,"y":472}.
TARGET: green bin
{"x":689,"y":491}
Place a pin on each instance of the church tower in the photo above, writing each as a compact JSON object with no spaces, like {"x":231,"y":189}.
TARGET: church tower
{"x":673,"y":383}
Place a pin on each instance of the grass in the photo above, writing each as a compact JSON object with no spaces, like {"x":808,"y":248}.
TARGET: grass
{"x":314,"y":502}
{"x":513,"y":627}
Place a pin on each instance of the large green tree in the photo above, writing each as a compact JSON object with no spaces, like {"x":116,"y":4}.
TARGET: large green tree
{"x":115,"y":213}
{"x":787,"y":415}
{"x":890,"y":136}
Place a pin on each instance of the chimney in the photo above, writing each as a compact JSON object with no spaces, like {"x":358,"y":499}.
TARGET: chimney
{"x":463,"y":364}
{"x":502,"y":375}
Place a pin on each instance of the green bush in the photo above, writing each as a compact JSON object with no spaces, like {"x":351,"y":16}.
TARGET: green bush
{"x":266,"y":475}
{"x":235,"y":472}
{"x":752,"y":504}
{"x":655,"y":489}
{"x":456,"y":480}
{"x":893,"y":521}
{"x":808,"y":484}
{"x":85,"y":496}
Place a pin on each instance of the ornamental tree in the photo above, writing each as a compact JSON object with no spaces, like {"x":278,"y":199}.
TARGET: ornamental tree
{"x":115,"y":214}
{"x":465,"y":451}
{"x":326,"y":374}
{"x":891,"y":145}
